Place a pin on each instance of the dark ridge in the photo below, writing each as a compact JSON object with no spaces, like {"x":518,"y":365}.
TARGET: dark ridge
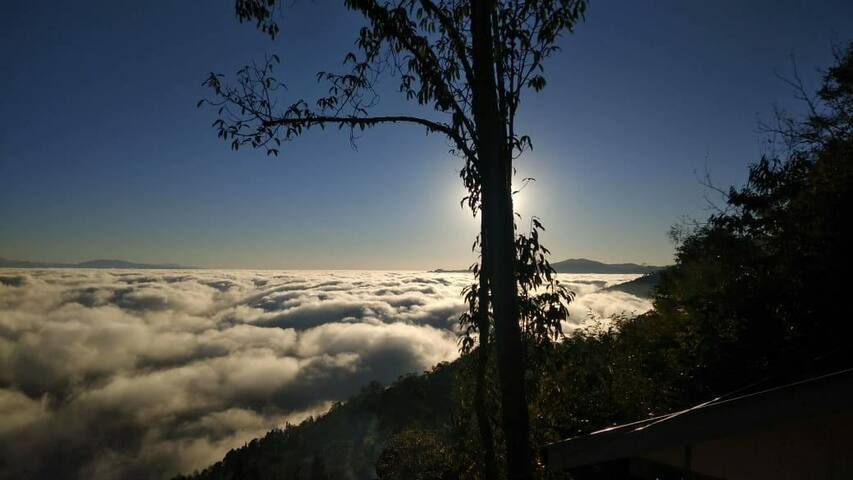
{"x":585,"y":265}
{"x":99,"y":263}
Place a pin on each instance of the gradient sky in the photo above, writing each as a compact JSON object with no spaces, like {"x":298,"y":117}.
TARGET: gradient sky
{"x":104,"y":155}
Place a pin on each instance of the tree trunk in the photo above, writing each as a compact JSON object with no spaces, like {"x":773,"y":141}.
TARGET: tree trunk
{"x":487,"y":440}
{"x":499,"y":235}
{"x":508,"y":346}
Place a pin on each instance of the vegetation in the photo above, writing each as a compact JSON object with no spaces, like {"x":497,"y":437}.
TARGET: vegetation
{"x":759,"y":284}
{"x":347,"y":441}
{"x":753,"y":299}
{"x":416,"y":455}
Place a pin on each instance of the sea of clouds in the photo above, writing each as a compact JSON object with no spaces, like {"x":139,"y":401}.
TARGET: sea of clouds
{"x":108,"y":374}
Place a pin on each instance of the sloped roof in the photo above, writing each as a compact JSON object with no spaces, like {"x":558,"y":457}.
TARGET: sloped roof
{"x":823,"y":395}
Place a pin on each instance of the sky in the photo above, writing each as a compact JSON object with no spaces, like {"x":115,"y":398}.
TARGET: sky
{"x":103,"y":153}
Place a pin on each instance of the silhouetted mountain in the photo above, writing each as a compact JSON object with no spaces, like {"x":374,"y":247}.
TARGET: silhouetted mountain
{"x":6,"y":263}
{"x":99,"y":263}
{"x":584,"y":265}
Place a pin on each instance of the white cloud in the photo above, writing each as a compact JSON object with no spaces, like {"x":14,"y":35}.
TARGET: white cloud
{"x":121,"y":374}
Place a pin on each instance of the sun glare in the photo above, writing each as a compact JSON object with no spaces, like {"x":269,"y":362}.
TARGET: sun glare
{"x":522,"y":196}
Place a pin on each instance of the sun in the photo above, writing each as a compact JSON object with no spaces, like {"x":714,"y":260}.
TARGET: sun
{"x":523,"y":195}
{"x":521,"y":192}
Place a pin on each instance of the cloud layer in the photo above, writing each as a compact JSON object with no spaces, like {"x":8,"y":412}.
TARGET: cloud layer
{"x":144,"y":374}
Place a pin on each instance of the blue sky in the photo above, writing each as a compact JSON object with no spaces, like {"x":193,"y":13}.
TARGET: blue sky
{"x":104,"y":155}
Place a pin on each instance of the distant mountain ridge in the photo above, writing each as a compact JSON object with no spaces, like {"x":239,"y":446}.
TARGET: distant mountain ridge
{"x":99,"y":263}
{"x":585,"y":265}
{"x":572,"y":265}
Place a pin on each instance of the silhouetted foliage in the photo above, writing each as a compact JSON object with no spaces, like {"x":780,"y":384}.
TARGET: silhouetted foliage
{"x":416,"y":455}
{"x":758,"y":287}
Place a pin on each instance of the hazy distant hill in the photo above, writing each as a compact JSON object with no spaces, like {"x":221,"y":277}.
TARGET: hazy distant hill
{"x":123,"y":264}
{"x":585,"y":265}
{"x":643,"y":287}
{"x":100,"y":263}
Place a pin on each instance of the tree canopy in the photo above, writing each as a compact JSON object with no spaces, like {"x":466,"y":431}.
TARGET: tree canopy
{"x":761,"y":281}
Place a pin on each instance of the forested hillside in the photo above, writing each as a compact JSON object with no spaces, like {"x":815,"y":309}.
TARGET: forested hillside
{"x":346,"y":441}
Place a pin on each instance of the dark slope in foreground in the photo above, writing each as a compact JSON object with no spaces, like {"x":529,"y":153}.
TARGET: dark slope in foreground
{"x":345,"y":442}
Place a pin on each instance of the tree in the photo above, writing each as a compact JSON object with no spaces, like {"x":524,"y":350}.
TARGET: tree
{"x":755,"y":286}
{"x":542,"y":305}
{"x":466,"y":61}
